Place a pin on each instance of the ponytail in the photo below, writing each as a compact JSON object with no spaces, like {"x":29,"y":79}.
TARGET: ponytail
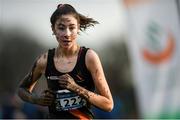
{"x":64,"y":9}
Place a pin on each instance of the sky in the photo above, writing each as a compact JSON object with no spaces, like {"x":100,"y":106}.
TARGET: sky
{"x":33,"y":16}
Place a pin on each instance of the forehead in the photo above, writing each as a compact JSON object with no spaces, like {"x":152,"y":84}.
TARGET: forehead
{"x":66,"y":20}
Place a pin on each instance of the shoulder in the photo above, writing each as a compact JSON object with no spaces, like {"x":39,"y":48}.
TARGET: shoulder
{"x":91,"y":54}
{"x":91,"y":58}
{"x":41,"y":61}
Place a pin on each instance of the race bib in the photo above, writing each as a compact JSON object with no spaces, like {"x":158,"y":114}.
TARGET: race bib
{"x":66,"y":100}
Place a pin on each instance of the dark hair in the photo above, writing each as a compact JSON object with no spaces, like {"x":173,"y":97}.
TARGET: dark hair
{"x":64,"y":9}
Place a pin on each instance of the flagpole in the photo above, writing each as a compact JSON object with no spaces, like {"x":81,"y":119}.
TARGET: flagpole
{"x":178,"y":9}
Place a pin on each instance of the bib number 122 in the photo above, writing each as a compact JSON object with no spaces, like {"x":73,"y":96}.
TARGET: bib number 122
{"x":70,"y":103}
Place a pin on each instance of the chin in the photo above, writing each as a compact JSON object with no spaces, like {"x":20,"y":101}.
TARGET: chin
{"x":66,"y":46}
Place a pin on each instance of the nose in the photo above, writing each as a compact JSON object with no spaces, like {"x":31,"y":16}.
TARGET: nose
{"x":67,"y":33}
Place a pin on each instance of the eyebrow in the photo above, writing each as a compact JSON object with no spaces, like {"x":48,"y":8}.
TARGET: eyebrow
{"x":61,"y":24}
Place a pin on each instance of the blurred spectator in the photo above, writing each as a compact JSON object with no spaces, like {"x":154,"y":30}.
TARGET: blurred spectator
{"x":14,"y":108}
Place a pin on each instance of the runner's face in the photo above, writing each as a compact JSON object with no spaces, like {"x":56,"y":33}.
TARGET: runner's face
{"x":66,"y":30}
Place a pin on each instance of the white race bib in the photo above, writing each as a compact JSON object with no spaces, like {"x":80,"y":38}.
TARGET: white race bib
{"x":66,"y":100}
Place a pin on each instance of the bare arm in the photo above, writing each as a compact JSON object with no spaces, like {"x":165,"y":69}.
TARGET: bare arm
{"x":29,"y":81}
{"x":103,"y":99}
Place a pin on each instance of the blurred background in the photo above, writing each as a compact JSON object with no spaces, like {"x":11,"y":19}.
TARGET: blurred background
{"x":137,"y":42}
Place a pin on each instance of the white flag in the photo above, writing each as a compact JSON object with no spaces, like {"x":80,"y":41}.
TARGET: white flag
{"x":154,"y":48}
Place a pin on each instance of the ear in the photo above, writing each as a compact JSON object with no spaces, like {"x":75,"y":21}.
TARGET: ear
{"x":78,"y":26}
{"x":53,"y":29}
{"x":78,"y":29}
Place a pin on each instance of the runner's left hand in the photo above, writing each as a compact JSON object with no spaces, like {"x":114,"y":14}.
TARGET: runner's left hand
{"x":66,"y":81}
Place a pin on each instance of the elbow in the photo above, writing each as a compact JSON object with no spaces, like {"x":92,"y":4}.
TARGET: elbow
{"x":19,"y":93}
{"x":110,"y":107}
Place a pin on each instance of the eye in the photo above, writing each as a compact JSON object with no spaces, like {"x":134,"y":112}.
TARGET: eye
{"x":72,"y":28}
{"x":61,"y":28}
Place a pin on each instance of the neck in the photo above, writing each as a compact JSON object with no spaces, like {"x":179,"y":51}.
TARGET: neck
{"x":67,"y":52}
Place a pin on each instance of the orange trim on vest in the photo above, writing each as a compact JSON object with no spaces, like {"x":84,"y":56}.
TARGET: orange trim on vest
{"x":79,"y":115}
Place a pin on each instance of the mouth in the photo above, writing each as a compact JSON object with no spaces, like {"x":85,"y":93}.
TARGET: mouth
{"x":66,"y":42}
